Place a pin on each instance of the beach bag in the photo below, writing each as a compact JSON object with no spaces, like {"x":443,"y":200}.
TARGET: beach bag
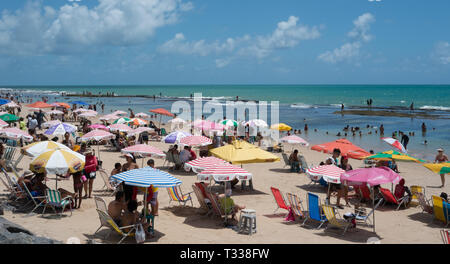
{"x":140,"y":234}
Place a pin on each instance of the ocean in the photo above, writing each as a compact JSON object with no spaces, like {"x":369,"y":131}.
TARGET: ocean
{"x":298,"y":104}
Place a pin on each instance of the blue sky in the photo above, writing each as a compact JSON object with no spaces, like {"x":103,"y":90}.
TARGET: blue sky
{"x":57,"y":42}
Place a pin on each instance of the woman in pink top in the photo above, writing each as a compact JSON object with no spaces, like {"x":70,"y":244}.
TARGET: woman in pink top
{"x":90,"y":169}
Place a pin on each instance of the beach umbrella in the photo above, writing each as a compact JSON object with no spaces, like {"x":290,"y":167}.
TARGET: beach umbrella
{"x":330,"y":173}
{"x":161,"y":112}
{"x":9,"y":118}
{"x":109,"y":117}
{"x":3,"y":123}
{"x":439,"y":168}
{"x":4,"y":101}
{"x":395,"y":143}
{"x":146,"y":177}
{"x":177,"y":121}
{"x":3,"y":113}
{"x":139,"y":130}
{"x":256,"y":123}
{"x":280,"y":127}
{"x":120,"y":127}
{"x":55,"y":112}
{"x":242,"y":152}
{"x":51,"y":123}
{"x":79,"y":110}
{"x":88,"y":113}
{"x":208,"y":125}
{"x":200,"y":164}
{"x":10,"y":105}
{"x":229,"y":123}
{"x":119,"y":113}
{"x":61,"y":129}
{"x":346,"y":147}
{"x":370,"y":177}
{"x":15,"y":134}
{"x":144,"y":150}
{"x":37,"y":148}
{"x":98,"y":126}
{"x":40,"y":105}
{"x":294,"y":139}
{"x":393,"y":155}
{"x":195,"y":141}
{"x":137,"y":122}
{"x":142,"y":115}
{"x":65,"y":105}
{"x":79,"y":103}
{"x":122,"y":120}
{"x":175,"y":137}
{"x":97,"y":135}
{"x":58,"y":161}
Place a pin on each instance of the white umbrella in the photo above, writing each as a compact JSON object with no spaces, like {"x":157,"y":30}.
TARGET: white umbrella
{"x":256,"y":123}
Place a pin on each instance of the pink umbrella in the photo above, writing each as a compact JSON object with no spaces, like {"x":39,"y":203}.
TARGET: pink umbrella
{"x":120,"y":113}
{"x":224,"y":172}
{"x":98,"y":126}
{"x":109,"y":117}
{"x":144,"y":150}
{"x":3,"y":123}
{"x":293,"y":139}
{"x":79,"y":110}
{"x":15,"y":134}
{"x":97,"y":135}
{"x":195,"y":141}
{"x":395,"y":143}
{"x":120,"y":127}
{"x":208,"y":125}
{"x":142,"y":115}
{"x":139,"y":130}
{"x":201,"y":164}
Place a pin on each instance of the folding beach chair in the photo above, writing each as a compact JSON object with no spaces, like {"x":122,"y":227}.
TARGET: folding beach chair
{"x":364,"y":193}
{"x":438,"y":209}
{"x":363,"y":218}
{"x":100,"y":204}
{"x":314,"y":210}
{"x":332,"y":215}
{"x":286,"y":160}
{"x":12,"y":186}
{"x":38,"y":201}
{"x":295,"y":204}
{"x":388,"y":197}
{"x":445,"y":235}
{"x":201,"y":199}
{"x":108,"y":185}
{"x":416,"y":189}
{"x":54,"y":200}
{"x":105,"y":218}
{"x":176,"y":195}
{"x":424,"y":203}
{"x":303,"y":163}
{"x":177,"y":162}
{"x":8,"y":156}
{"x":215,"y":205}
{"x":279,"y":199}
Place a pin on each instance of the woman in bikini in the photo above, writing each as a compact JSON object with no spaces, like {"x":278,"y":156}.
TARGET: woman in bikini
{"x":78,"y":188}
{"x":441,"y":158}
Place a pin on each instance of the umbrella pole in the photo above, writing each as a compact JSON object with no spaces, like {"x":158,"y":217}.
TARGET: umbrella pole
{"x":98,"y":150}
{"x":145,"y":203}
{"x":373,"y":208}
{"x":226,"y":213}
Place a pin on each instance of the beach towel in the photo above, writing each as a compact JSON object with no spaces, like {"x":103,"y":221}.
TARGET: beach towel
{"x":290,"y":217}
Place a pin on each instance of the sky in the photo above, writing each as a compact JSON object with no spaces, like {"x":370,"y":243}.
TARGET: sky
{"x":144,"y":42}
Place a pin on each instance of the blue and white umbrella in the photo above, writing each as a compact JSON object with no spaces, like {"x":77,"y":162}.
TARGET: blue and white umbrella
{"x":4,"y":101}
{"x":175,"y":136}
{"x":61,"y":129}
{"x":147,"y":176}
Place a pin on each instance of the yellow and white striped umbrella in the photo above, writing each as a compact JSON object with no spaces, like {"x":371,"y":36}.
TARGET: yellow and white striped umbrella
{"x":38,"y":148}
{"x":58,"y":161}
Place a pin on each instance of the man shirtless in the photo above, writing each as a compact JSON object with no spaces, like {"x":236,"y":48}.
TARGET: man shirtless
{"x":132,"y":217}
{"x":116,"y":207}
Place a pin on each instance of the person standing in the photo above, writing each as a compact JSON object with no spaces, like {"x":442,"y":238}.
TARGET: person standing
{"x":40,"y":116}
{"x":441,"y":158}
{"x":404,"y":139}
{"x":90,"y":169}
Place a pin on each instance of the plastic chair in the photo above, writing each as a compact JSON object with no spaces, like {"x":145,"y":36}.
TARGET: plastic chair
{"x":314,"y":210}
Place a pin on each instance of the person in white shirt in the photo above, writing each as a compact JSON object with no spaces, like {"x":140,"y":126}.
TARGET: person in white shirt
{"x":33,"y":123}
{"x":185,"y":154}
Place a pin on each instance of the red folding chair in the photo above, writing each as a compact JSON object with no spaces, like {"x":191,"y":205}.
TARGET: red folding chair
{"x":281,"y":203}
{"x":390,"y":198}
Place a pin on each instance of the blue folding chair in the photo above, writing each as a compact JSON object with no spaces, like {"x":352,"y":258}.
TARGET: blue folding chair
{"x":314,"y":210}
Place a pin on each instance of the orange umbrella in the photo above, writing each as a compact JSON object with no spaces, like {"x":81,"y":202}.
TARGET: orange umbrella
{"x":63,"y":104}
{"x":40,"y":105}
{"x":162,"y":111}
{"x":346,"y":147}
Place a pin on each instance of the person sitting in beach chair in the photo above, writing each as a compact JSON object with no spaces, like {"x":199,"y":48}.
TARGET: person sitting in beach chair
{"x":132,"y":217}
{"x":294,"y":161}
{"x":227,"y":204}
{"x":117,"y":207}
{"x":400,"y":190}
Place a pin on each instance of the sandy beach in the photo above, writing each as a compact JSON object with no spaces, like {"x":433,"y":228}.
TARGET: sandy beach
{"x":179,"y":224}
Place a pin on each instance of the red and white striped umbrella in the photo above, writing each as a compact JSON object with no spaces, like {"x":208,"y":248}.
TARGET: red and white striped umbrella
{"x":144,"y":150}
{"x":330,"y":173}
{"x":3,"y":123}
{"x":97,"y":135}
{"x":120,"y":127}
{"x":200,"y":164}
{"x":88,"y":113}
{"x":395,"y":143}
{"x":195,"y":141}
{"x":293,"y":139}
{"x":224,"y":172}
{"x":140,"y":130}
{"x":15,"y":134}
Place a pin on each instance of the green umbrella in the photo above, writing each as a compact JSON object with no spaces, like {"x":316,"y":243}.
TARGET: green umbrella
{"x":391,"y":154}
{"x":122,"y":120}
{"x":229,"y":122}
{"x":9,"y":118}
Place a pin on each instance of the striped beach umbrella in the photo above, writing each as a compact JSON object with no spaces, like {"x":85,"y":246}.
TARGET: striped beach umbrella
{"x":175,"y":137}
{"x":55,"y":112}
{"x":293,"y":139}
{"x":58,"y":161}
{"x":15,"y":134}
{"x":122,"y":120}
{"x":395,"y":143}
{"x":256,"y":123}
{"x":147,"y":176}
{"x":439,"y":168}
{"x":330,"y":173}
{"x":97,"y":135}
{"x":3,"y":123}
{"x":229,"y":123}
{"x":144,"y":150}
{"x":109,"y":117}
{"x":393,"y":155}
{"x":224,"y":172}
{"x":38,"y":148}
{"x":11,"y":105}
{"x":120,"y":127}
{"x":177,"y":121}
{"x":200,"y":164}
{"x":88,"y":113}
{"x":80,"y":110}
{"x":98,"y":126}
{"x":195,"y":141}
{"x":61,"y":129}
{"x":51,"y":123}
{"x":139,"y":130}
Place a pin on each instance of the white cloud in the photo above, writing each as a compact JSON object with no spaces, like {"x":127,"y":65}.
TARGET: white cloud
{"x":288,"y":34}
{"x":442,"y":52}
{"x":359,"y":35}
{"x":41,"y":29}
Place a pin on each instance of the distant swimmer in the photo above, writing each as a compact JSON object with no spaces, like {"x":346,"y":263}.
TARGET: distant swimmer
{"x":237,"y":98}
{"x":411,"y":107}
{"x":424,"y":128}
